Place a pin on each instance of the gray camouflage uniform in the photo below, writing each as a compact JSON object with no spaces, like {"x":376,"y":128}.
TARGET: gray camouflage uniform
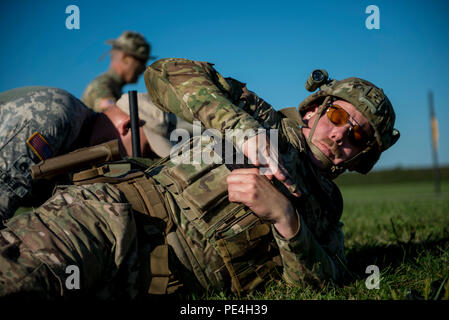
{"x":59,"y":118}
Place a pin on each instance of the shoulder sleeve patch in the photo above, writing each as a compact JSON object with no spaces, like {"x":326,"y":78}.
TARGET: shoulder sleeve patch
{"x":40,"y":146}
{"x":103,"y":103}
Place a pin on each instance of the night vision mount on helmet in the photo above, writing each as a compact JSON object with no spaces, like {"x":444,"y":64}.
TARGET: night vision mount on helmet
{"x":367,"y":99}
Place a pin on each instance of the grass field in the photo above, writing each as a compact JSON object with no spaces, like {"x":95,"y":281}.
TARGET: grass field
{"x":402,"y":228}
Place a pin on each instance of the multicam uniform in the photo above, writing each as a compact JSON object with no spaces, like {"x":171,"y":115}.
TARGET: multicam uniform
{"x":103,"y":91}
{"x":196,"y":91}
{"x":218,"y":244}
{"x":35,"y":123}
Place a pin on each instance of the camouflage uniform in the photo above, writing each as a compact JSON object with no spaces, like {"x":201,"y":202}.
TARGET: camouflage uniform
{"x":79,"y":225}
{"x":196,"y":91}
{"x":92,"y":228}
{"x":108,"y":85}
{"x":62,"y":123}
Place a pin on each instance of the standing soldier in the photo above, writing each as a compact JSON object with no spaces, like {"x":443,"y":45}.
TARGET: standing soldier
{"x":129,"y":54}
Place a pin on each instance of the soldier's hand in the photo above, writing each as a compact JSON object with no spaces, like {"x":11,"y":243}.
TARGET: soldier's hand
{"x":258,"y":150}
{"x":249,"y":187}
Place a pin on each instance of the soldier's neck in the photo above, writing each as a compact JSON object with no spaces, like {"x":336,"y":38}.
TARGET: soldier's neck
{"x":117,"y":73}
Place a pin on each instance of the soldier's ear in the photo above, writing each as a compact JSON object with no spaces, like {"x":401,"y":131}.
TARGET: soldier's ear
{"x":126,"y":59}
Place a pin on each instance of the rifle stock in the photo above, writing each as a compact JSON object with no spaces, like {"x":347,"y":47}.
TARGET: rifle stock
{"x":78,"y":159}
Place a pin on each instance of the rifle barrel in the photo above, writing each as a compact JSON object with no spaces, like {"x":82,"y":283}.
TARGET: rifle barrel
{"x":134,"y":115}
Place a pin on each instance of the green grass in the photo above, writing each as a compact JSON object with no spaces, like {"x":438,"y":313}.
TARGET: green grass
{"x":389,"y":176}
{"x":401,"y":228}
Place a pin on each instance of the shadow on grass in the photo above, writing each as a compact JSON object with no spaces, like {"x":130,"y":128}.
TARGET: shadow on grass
{"x":390,"y":256}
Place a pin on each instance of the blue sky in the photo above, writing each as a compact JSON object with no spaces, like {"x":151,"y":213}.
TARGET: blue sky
{"x":270,"y":45}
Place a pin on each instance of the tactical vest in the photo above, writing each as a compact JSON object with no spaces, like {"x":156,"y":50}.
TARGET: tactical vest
{"x":225,"y":245}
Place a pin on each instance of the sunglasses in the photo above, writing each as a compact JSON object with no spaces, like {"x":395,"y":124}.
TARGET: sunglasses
{"x":340,"y":117}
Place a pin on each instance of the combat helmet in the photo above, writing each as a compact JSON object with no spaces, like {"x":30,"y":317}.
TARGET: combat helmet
{"x":368,"y":99}
{"x":132,"y":43}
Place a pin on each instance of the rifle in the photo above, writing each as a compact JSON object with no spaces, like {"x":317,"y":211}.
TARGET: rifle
{"x":76,"y":160}
{"x":91,"y":157}
{"x":134,"y":115}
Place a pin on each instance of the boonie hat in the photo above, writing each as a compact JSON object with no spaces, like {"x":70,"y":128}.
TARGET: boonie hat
{"x":132,"y":43}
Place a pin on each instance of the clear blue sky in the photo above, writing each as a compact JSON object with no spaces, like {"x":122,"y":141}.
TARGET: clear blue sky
{"x":270,"y":45}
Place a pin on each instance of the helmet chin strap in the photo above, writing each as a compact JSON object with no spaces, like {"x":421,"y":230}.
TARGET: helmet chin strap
{"x":328,"y":164}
